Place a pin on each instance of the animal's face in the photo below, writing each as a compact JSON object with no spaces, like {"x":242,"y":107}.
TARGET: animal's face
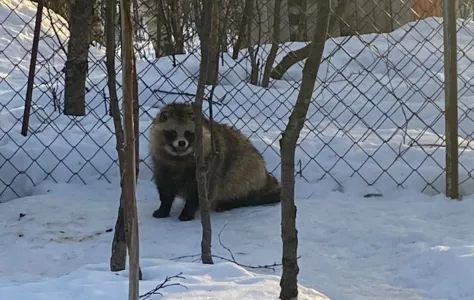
{"x":176,"y":125}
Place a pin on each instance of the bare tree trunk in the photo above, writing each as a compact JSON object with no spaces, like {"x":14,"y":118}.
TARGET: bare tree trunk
{"x":168,"y":48}
{"x":187,"y":19}
{"x":254,"y":65}
{"x":197,"y":16}
{"x":177,"y":16}
{"x":158,"y":21}
{"x":110,"y":47}
{"x":302,"y":33}
{"x":201,"y":168}
{"x":129,"y":172}
{"x":296,"y":56}
{"x":158,"y":35}
{"x":289,"y":278}
{"x":213,"y":65}
{"x":243,"y":27}
{"x":297,"y":19}
{"x":119,"y":243}
{"x":80,"y":28}
{"x":136,"y":117}
{"x":136,"y":19}
{"x":63,"y":8}
{"x":275,"y":44}
{"x":224,"y":12}
{"x":97,"y":35}
{"x":118,"y":259}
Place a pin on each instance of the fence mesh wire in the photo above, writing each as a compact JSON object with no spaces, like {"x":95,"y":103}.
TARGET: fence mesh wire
{"x":376,"y":118}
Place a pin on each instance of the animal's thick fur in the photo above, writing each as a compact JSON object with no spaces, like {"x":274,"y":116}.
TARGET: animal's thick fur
{"x":237,"y":175}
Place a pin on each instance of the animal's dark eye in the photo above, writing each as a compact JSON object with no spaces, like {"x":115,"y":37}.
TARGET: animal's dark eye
{"x":170,"y":135}
{"x":189,"y":135}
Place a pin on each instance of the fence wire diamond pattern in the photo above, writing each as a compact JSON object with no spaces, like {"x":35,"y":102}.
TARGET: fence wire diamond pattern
{"x":376,"y":118}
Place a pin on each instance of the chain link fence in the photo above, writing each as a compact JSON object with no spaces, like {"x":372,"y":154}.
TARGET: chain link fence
{"x":376,"y":118}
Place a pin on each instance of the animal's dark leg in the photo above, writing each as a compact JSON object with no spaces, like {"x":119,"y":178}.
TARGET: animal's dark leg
{"x":167,"y":191}
{"x":192,"y":202}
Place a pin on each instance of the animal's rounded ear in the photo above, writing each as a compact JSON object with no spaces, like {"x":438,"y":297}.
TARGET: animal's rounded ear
{"x":191,"y":115}
{"x":164,"y":115}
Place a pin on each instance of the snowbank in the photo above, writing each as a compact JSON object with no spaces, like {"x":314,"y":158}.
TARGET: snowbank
{"x":210,"y":282}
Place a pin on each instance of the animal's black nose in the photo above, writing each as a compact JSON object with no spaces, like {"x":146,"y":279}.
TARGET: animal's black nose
{"x":181,"y":143}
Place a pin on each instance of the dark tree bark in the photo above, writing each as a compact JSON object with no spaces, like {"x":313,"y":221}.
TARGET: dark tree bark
{"x":168,"y":47}
{"x":297,"y":20}
{"x":289,"y":60}
{"x":254,"y":64}
{"x":302,"y":33}
{"x":275,"y":44}
{"x":136,"y":116}
{"x":32,"y":69}
{"x":110,"y":47}
{"x":118,"y":259}
{"x":289,"y":278}
{"x":177,"y":16}
{"x":296,"y":56}
{"x":80,"y":27}
{"x":213,"y":48}
{"x":201,"y":168}
{"x":246,"y":18}
{"x":224,"y":14}
{"x":119,"y":243}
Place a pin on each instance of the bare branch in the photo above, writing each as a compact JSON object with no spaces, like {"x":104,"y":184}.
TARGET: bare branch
{"x":61,"y":46}
{"x":294,"y":57}
{"x":232,"y":259}
{"x":31,"y":72}
{"x":164,"y":285}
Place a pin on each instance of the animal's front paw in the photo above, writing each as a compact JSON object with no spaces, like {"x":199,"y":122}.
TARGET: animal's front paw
{"x":185,"y":217}
{"x":160,"y":213}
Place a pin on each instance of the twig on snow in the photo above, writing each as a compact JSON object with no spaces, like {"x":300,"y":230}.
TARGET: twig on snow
{"x":163,"y":285}
{"x":232,"y":259}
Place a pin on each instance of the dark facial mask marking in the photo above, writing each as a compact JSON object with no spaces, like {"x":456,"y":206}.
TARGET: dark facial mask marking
{"x":189,"y":136}
{"x":170,"y":135}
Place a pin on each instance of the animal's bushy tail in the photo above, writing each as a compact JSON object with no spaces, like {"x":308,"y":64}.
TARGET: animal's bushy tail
{"x":268,"y":195}
{"x":271,"y":193}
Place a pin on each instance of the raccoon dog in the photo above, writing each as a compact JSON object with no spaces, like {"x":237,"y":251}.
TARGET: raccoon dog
{"x":237,"y":174}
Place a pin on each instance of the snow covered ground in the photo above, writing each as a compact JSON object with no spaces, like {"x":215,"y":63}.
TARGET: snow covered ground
{"x":406,"y":245}
{"x":409,"y":244}
{"x":222,"y":281}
